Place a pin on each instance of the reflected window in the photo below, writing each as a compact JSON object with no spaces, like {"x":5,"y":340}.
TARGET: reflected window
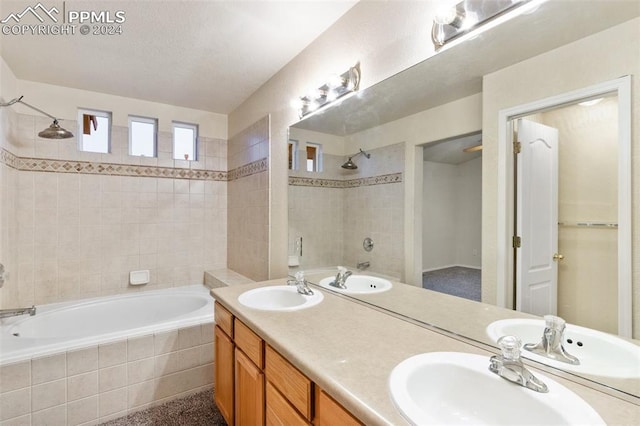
{"x":185,"y":141}
{"x":143,"y":136}
{"x":94,"y":130}
{"x":314,"y":157}
{"x":293,"y":154}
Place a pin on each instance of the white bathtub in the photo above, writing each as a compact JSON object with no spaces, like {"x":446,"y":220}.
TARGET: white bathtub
{"x":67,"y":326}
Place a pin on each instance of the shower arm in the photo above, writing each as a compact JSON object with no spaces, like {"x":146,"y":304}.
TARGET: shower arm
{"x":16,"y":100}
{"x":358,"y":153}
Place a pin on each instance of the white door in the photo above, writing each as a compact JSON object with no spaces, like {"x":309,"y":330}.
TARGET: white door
{"x":537,"y":219}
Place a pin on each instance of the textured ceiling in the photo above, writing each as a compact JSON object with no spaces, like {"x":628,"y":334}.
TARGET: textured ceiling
{"x":209,"y":55}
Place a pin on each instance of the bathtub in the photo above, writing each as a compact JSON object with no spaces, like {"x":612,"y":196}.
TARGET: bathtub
{"x":67,"y":326}
{"x":94,"y":360}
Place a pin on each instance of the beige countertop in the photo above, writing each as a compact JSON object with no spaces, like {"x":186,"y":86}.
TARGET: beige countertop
{"x":350,"y":349}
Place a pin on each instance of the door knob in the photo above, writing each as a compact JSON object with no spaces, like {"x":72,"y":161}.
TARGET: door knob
{"x":558,"y":256}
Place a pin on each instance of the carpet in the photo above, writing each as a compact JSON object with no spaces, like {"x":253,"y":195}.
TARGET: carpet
{"x":456,"y":281}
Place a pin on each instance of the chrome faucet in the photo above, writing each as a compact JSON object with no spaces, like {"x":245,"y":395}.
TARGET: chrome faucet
{"x":551,"y":344}
{"x":301,"y":284}
{"x":509,"y":365}
{"x":4,"y":313}
{"x":341,"y":278}
{"x":363,"y":265}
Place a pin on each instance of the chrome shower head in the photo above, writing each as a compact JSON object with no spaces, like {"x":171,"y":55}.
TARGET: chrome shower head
{"x":54,"y":131}
{"x":350,"y":165}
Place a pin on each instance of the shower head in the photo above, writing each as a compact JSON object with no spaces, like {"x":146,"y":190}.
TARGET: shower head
{"x":54,"y":131}
{"x":350,"y":165}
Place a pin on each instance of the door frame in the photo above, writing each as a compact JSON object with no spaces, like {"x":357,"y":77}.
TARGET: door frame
{"x":505,"y":262}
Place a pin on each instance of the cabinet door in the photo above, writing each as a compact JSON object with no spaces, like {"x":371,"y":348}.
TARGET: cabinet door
{"x":330,"y":413}
{"x":249,"y":392}
{"x":223,"y":380}
{"x":279,"y":412}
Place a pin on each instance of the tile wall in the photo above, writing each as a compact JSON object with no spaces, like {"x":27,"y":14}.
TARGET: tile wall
{"x":335,"y":210}
{"x":79,"y":222}
{"x":248,"y":202}
{"x":99,"y":383}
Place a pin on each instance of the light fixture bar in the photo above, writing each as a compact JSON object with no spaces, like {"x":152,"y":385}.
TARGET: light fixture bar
{"x":467,"y":16}
{"x":337,"y":87}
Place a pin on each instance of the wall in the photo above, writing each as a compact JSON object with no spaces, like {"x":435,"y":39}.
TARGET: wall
{"x":81,"y":221}
{"x":594,"y":59}
{"x":248,"y":210}
{"x":451,"y":214}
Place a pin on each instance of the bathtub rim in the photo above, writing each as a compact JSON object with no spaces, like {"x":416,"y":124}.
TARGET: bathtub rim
{"x":26,"y":352}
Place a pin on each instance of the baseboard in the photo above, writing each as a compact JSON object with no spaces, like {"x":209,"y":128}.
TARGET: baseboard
{"x":451,"y":266}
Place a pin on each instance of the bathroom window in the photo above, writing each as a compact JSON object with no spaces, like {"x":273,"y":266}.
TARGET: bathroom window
{"x":94,"y":131}
{"x":143,"y":136}
{"x":185,"y":141}
{"x":314,"y":157}
{"x":293,"y":154}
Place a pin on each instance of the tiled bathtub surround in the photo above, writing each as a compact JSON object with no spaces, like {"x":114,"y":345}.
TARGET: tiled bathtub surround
{"x":99,"y":383}
{"x":78,"y":234}
{"x":335,"y":210}
{"x":248,"y":199}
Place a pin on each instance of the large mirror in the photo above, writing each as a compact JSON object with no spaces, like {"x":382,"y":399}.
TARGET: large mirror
{"x":437,"y":197}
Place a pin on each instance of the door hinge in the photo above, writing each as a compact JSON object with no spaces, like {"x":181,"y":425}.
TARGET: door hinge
{"x":516,"y":241}
{"x":517,"y":147}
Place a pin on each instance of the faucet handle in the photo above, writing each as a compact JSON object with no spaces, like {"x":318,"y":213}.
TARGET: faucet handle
{"x":299,"y":276}
{"x":342,"y":270}
{"x":554,"y":322}
{"x":510,"y":347}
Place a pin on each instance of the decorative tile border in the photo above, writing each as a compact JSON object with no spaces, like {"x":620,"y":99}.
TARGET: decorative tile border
{"x":111,"y":169}
{"x":351,"y":183}
{"x":259,"y":166}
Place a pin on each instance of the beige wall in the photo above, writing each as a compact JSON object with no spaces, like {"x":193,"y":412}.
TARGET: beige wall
{"x":592,"y":60}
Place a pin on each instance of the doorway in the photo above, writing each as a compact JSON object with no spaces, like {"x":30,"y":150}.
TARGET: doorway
{"x":452,"y":222}
{"x":586,"y":248}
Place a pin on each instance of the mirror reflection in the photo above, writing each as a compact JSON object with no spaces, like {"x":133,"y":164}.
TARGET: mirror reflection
{"x":441,"y":183}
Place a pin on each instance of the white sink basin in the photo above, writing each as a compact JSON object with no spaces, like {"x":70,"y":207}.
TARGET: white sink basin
{"x":279,"y":298}
{"x":458,"y":388}
{"x":600,"y":354}
{"x":358,"y":284}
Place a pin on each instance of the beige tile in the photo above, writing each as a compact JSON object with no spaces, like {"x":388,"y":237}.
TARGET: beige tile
{"x":189,"y":358}
{"x":112,"y":354}
{"x":207,"y":353}
{"x":112,"y":402}
{"x":54,"y":416}
{"x":82,"y":411}
{"x":82,"y":386}
{"x":48,"y":368}
{"x":165,"y":342}
{"x":15,"y":376}
{"x":82,"y":361}
{"x":17,"y":421}
{"x":112,"y":378}
{"x":207,"y":332}
{"x":139,"y":347}
{"x":140,"y":371}
{"x":14,"y":404}
{"x":48,"y":395}
{"x":141,"y":393}
{"x":189,"y":337}
{"x":166,"y":364}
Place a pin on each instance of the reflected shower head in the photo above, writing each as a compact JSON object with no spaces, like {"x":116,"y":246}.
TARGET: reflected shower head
{"x":350,"y":165}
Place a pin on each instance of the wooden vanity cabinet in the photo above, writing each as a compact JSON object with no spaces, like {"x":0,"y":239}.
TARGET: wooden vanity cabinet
{"x":224,"y":363}
{"x":255,"y":385}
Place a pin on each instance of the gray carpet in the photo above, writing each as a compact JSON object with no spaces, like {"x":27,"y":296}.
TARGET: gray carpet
{"x":456,"y":281}
{"x":194,"y":410}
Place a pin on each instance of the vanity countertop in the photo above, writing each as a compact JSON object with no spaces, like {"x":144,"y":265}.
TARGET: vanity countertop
{"x":350,"y":349}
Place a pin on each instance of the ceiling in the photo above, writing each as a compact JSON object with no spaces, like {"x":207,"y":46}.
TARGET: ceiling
{"x":451,"y":151}
{"x":209,"y":55}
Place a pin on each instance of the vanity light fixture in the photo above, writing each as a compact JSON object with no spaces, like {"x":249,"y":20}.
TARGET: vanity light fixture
{"x":52,"y":132}
{"x":335,"y":88}
{"x":468,"y":16}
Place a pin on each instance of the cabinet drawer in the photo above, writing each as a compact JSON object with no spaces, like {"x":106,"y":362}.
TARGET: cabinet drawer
{"x":280,"y":412}
{"x":293,"y":385}
{"x":224,"y":319}
{"x":249,"y":343}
